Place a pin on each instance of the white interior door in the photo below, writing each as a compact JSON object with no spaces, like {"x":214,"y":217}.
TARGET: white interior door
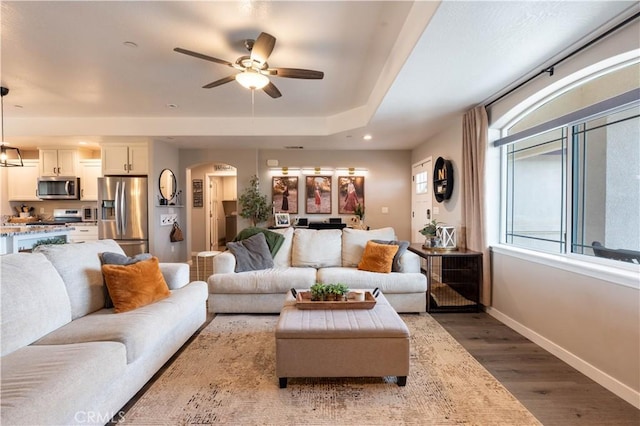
{"x":421,"y":199}
{"x":211,"y":215}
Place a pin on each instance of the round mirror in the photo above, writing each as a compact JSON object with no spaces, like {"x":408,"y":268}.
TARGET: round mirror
{"x":167,"y":185}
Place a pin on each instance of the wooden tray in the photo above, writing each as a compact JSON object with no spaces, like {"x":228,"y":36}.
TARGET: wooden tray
{"x":303,"y":301}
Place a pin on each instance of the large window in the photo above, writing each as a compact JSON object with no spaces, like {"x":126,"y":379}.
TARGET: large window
{"x":536,"y":176}
{"x":575,"y":187}
{"x":606,"y":186}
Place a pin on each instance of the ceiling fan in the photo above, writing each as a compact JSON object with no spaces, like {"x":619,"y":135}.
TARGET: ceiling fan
{"x":254,"y":69}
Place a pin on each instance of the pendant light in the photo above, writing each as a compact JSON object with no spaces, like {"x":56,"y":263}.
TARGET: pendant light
{"x":9,"y":156}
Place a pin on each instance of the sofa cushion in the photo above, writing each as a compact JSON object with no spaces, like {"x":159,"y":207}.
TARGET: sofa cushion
{"x":354,"y":240}
{"x":140,"y":330}
{"x":46,"y":384}
{"x":282,"y":259}
{"x":251,"y":253}
{"x":34,"y":300}
{"x":377,"y":257}
{"x":402,"y":249}
{"x":109,"y":258}
{"x":135,"y":285}
{"x":316,"y":248}
{"x":176,"y":274}
{"x":355,"y":279}
{"x":80,"y":267}
{"x":275,"y":280}
{"x":274,"y":239}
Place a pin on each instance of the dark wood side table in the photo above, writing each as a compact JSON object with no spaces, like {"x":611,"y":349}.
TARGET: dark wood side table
{"x":454,"y":278}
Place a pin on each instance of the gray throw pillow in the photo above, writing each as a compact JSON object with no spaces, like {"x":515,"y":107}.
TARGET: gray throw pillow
{"x":251,"y":253}
{"x":274,"y":240}
{"x":110,"y":258}
{"x":402,"y":247}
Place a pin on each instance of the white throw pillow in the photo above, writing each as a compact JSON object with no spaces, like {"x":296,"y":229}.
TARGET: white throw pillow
{"x":282,"y":259}
{"x":316,"y":248}
{"x":354,"y":241}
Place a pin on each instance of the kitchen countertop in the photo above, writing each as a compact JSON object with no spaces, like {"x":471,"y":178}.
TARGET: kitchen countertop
{"x":11,"y":231}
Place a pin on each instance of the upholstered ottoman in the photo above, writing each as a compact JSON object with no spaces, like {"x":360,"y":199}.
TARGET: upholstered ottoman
{"x":341,"y":343}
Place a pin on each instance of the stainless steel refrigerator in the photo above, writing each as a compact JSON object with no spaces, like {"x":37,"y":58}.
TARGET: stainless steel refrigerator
{"x":123,"y":212}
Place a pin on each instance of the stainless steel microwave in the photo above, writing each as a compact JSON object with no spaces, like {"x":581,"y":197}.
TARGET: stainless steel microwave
{"x":59,"y":188}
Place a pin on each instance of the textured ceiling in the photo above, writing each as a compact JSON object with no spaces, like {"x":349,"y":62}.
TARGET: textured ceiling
{"x":397,"y":70}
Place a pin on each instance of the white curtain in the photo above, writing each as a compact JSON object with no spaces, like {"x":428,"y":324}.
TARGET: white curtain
{"x":474,"y":147}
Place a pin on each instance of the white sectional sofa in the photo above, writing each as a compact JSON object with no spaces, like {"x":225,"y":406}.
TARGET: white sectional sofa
{"x":308,"y":256}
{"x":68,"y":360}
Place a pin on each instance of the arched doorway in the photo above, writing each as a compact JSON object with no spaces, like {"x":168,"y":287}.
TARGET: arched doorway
{"x":214,"y":193}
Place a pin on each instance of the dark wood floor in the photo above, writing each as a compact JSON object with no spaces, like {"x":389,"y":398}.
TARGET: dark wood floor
{"x":556,"y":393}
{"x":553,"y":391}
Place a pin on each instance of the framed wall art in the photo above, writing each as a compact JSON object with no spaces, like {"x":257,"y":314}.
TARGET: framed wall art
{"x":350,"y":193}
{"x":196,"y":185}
{"x":282,"y":220}
{"x":284,"y":194}
{"x":318,"y":194}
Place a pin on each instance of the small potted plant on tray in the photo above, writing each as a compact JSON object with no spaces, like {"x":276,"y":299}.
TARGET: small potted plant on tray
{"x":337,"y":292}
{"x":318,"y":292}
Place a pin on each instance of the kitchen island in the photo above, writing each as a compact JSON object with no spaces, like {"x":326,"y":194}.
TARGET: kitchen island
{"x":14,"y":239}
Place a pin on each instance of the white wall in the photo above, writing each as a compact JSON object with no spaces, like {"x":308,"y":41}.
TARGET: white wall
{"x":448,"y":145}
{"x":591,"y":323}
{"x":387,"y":183}
{"x":164,"y":156}
{"x":587,"y":319}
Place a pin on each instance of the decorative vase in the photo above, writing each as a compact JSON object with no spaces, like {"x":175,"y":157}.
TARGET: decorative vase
{"x":431,"y":241}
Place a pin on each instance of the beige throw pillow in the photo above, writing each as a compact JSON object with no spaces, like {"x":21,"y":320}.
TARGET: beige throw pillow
{"x":316,"y":248}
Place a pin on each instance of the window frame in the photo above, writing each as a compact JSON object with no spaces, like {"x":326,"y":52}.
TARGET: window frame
{"x":609,"y":106}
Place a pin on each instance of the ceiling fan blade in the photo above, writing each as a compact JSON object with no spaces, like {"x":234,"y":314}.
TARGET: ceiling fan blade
{"x":201,"y":56}
{"x":219,"y":82}
{"x":263,"y":47}
{"x":271,"y":90}
{"x":298,"y":73}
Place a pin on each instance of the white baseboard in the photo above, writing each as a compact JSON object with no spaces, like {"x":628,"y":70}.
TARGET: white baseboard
{"x":620,"y":389}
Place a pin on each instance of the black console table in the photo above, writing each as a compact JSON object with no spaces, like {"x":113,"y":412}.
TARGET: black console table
{"x":453,"y":278}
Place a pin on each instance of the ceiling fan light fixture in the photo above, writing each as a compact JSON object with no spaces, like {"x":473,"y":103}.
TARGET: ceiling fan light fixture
{"x":251,"y":79}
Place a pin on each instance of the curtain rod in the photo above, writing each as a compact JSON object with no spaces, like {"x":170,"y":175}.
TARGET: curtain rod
{"x":550,"y":68}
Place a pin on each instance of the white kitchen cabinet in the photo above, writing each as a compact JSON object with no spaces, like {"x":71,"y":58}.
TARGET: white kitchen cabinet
{"x":83,"y":233}
{"x":90,"y":171}
{"x":58,"y":162}
{"x":22,"y":182}
{"x":125,"y":160}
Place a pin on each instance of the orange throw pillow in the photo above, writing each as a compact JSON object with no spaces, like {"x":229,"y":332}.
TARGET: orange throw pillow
{"x":377,"y":257}
{"x":136,"y":285}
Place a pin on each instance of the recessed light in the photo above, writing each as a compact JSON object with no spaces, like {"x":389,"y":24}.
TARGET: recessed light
{"x":172,"y":106}
{"x":82,"y":143}
{"x":130,"y":44}
{"x":18,"y":106}
{"x":367,"y":137}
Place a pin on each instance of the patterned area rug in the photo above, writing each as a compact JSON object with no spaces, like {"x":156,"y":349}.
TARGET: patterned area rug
{"x":227,"y":376}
